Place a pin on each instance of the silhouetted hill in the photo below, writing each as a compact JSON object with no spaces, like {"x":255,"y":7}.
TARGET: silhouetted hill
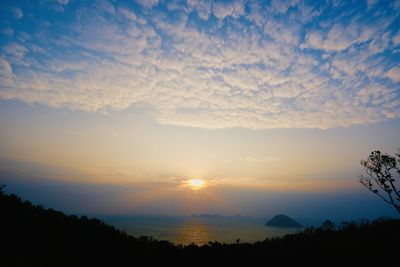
{"x":283,"y":221}
{"x":31,"y":235}
{"x":35,"y":236}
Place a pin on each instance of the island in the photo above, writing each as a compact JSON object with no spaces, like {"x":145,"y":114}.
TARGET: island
{"x":284,"y":222}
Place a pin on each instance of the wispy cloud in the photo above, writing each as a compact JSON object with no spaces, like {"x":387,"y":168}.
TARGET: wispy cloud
{"x":233,"y":9}
{"x":17,"y":12}
{"x":394,"y":74}
{"x":147,"y":3}
{"x":211,"y":64}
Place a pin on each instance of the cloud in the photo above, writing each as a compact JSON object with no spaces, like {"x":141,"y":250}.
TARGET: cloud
{"x":127,"y":14}
{"x":371,"y":3}
{"x":5,"y":67}
{"x":16,"y":53}
{"x":106,"y":7}
{"x":281,"y":7}
{"x":63,"y":2}
{"x":337,"y":39}
{"x":147,"y":3}
{"x":258,"y":69}
{"x":202,"y":8}
{"x":222,"y":9}
{"x":394,"y":74}
{"x":7,"y":31}
{"x":396,"y":39}
{"x":17,"y":12}
{"x":6,"y":74}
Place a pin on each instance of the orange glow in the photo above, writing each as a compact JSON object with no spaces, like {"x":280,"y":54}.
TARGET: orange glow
{"x":196,"y":184}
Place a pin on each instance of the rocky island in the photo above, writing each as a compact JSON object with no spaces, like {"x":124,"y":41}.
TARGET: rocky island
{"x":283,"y":221}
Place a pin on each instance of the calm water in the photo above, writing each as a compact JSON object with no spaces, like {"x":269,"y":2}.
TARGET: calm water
{"x":199,"y":230}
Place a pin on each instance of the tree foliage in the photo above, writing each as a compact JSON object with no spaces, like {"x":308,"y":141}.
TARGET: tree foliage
{"x":381,"y":173}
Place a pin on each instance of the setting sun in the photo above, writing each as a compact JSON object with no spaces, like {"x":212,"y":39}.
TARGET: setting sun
{"x":196,"y":183}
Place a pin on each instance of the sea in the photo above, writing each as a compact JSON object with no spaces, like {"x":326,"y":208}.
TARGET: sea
{"x":198,"y":229}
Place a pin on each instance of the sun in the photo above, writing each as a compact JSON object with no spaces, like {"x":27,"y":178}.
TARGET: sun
{"x":196,"y":183}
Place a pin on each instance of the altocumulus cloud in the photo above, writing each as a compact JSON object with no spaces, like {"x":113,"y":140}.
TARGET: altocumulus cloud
{"x":210,"y":64}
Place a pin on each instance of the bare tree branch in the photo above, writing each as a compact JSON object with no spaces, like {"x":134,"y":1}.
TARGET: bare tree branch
{"x":368,"y":184}
{"x":380,"y":172}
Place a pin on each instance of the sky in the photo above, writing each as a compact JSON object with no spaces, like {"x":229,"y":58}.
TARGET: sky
{"x":181,"y":107}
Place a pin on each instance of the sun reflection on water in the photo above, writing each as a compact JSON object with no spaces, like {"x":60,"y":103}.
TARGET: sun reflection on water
{"x":194,"y":232}
{"x":200,"y":229}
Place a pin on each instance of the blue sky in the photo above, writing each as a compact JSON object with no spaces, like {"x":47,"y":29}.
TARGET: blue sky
{"x":280,"y":99}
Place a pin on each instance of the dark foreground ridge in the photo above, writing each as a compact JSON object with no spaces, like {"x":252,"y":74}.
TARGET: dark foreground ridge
{"x":34,"y":236}
{"x":283,"y":221}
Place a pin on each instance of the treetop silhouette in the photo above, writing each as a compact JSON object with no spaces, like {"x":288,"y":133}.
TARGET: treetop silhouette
{"x":381,"y":173}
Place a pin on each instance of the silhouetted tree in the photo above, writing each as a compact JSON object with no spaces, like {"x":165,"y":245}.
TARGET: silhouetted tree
{"x":328,"y":226}
{"x":380,"y":173}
